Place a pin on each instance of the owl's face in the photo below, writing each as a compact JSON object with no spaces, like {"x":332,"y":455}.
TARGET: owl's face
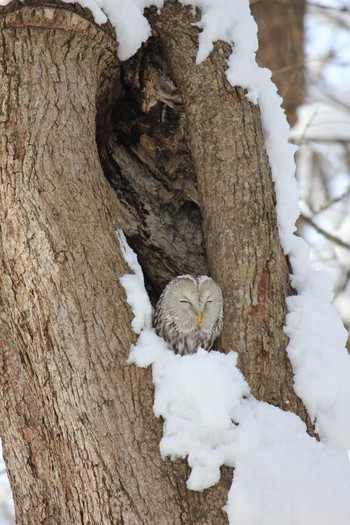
{"x":193,"y":304}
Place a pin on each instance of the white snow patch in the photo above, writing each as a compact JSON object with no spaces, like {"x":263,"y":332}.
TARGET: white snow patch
{"x":196,"y":395}
{"x":137,"y":296}
{"x":317,"y":350}
{"x":321,"y":366}
{"x":283,"y":475}
{"x":126,"y":16}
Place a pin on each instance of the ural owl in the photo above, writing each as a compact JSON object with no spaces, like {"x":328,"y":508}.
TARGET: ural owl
{"x":189,"y":313}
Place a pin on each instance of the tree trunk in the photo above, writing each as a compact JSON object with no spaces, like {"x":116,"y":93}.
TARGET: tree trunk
{"x":79,"y":435}
{"x":237,"y":202}
{"x":281,"y":27}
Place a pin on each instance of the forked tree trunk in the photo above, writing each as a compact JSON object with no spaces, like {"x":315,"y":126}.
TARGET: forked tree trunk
{"x":79,"y":435}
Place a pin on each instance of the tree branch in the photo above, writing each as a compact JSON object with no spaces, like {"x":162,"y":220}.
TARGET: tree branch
{"x":324,"y":232}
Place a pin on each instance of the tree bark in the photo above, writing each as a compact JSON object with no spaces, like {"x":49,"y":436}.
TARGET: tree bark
{"x":80,"y":439}
{"x":149,"y":156}
{"x":281,"y":27}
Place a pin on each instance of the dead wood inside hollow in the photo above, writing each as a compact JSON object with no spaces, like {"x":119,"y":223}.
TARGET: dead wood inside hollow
{"x":148,"y":163}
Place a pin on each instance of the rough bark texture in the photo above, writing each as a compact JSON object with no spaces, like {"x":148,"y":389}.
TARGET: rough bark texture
{"x":238,"y":206}
{"x":281,"y":48}
{"x":79,"y":435}
{"x":61,"y":397}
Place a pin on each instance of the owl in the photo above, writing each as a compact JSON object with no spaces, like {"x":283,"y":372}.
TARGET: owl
{"x":189,"y":313}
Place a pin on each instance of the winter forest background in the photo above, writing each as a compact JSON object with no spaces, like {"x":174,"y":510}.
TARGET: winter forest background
{"x":322,"y":133}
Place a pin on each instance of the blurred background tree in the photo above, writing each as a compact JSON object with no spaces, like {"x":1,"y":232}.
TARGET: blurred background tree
{"x":307,"y":48}
{"x":322,"y":133}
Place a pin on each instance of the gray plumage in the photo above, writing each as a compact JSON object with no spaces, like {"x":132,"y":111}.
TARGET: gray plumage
{"x":189,"y":313}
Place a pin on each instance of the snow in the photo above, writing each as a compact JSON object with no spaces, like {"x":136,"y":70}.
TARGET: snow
{"x":132,"y":28}
{"x":133,"y":284}
{"x":231,"y":21}
{"x":196,"y":395}
{"x":321,"y":376}
{"x":284,"y":476}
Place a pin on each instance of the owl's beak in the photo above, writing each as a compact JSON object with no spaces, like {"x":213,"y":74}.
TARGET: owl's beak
{"x":199,"y":318}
